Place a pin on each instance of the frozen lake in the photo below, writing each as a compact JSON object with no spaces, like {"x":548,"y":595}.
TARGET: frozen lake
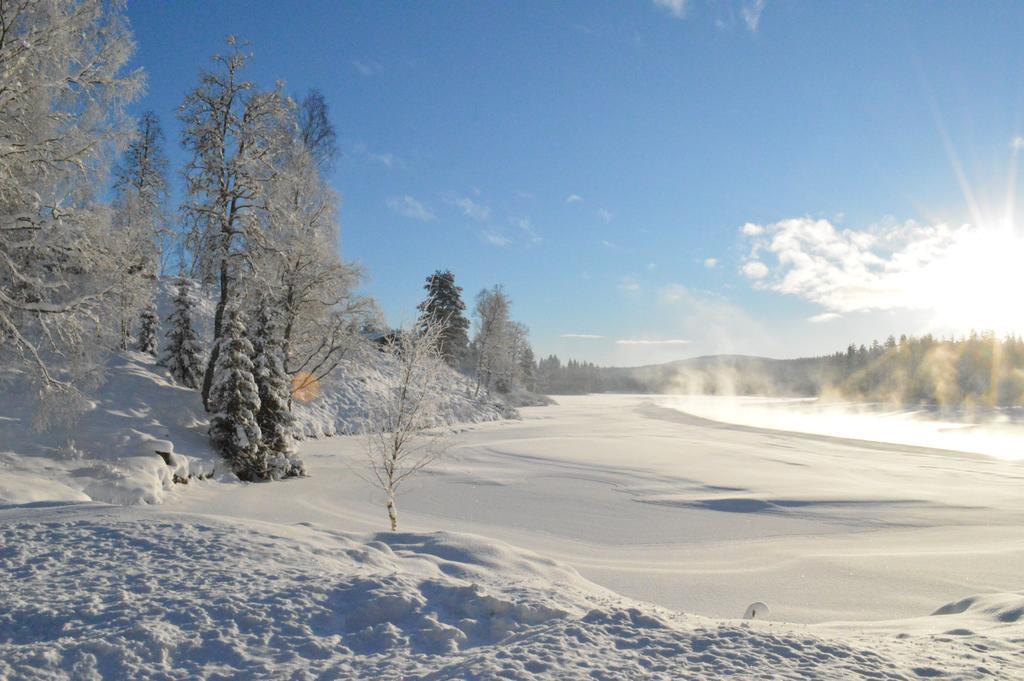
{"x":701,"y":516}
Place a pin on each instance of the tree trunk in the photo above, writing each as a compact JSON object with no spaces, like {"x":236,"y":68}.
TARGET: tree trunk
{"x":392,"y":513}
{"x":218,"y":318}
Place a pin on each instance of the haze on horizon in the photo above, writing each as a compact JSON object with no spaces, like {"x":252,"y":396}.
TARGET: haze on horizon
{"x":659,"y":180}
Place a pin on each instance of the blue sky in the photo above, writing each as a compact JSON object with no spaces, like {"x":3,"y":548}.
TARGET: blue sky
{"x":775,"y":178}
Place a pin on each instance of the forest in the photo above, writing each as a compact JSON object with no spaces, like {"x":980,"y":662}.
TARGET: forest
{"x":979,"y":370}
{"x":88,"y":234}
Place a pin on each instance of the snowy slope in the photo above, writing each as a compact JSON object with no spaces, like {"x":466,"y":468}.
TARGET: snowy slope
{"x":110,"y":453}
{"x":96,"y":591}
{"x":341,"y":406}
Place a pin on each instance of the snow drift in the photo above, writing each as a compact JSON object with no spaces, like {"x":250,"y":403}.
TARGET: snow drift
{"x":107,"y":592}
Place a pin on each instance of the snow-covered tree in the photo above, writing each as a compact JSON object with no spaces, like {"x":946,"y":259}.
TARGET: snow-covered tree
{"x":140,"y":233}
{"x":148,"y":323}
{"x":140,"y":228}
{"x":298,"y":259}
{"x":492,"y":339}
{"x":444,"y":304}
{"x":274,"y":388}
{"x":528,"y":369}
{"x":235,"y":134}
{"x":400,"y":424}
{"x":63,"y":89}
{"x":183,"y":356}
{"x":235,"y":402}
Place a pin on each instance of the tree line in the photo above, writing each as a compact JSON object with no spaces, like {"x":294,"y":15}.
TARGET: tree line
{"x":977,"y":370}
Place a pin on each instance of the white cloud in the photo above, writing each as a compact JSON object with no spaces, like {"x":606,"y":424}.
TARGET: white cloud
{"x":526,"y":227}
{"x":574,"y":198}
{"x":712,"y":321}
{"x":676,"y":8}
{"x":673,"y":293}
{"x":385,"y":159}
{"x":496,"y":238}
{"x":1017,"y":143}
{"x":409,"y":207}
{"x":585,"y":336}
{"x":609,"y":244}
{"x":960,"y":275}
{"x":750,"y":229}
{"x":824,"y":317}
{"x":755,"y":269}
{"x":651,"y":266}
{"x":366,"y":67}
{"x":629,"y":285}
{"x":472,"y":209}
{"x":710,"y":263}
{"x":604,"y":214}
{"x":752,"y":13}
{"x":638,"y":341}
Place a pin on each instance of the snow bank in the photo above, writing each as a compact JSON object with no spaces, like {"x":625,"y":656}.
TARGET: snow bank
{"x":91,"y":591}
{"x":340,"y":408}
{"x":140,"y":434}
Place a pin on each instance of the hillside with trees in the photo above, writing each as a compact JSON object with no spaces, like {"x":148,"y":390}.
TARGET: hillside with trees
{"x":262,"y":313}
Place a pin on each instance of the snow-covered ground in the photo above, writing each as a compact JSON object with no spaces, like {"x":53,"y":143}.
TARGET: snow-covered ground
{"x":110,"y":453}
{"x":876,"y":560}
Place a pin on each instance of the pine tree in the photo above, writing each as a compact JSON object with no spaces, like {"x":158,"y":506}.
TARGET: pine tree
{"x":274,"y":416}
{"x":183,"y":357}
{"x":234,"y":403}
{"x":444,"y":305}
{"x":147,"y":330}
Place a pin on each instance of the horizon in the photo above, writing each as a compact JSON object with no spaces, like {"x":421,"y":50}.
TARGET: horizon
{"x":659,"y":180}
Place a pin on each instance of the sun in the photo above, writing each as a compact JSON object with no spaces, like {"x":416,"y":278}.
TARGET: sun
{"x":976,"y":283}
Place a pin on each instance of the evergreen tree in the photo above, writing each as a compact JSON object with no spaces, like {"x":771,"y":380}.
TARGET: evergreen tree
{"x":183,"y":357}
{"x":444,"y":305}
{"x":147,"y":330}
{"x":274,"y":416}
{"x":234,"y":403}
{"x":528,"y":369}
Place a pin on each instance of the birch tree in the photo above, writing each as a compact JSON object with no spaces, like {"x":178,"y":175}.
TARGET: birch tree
{"x":63,"y":89}
{"x":402,"y":437}
{"x":490,"y":344}
{"x":234,"y":133}
{"x":299,"y":260}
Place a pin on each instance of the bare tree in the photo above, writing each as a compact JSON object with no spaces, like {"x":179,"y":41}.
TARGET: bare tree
{"x":401,"y":423}
{"x":317,"y":131}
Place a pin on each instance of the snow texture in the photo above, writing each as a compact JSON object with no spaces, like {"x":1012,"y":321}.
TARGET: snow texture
{"x":104,"y":592}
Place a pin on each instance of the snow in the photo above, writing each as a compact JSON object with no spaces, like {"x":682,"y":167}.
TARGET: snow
{"x":142,"y":431}
{"x":604,"y":537}
{"x":96,"y":591}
